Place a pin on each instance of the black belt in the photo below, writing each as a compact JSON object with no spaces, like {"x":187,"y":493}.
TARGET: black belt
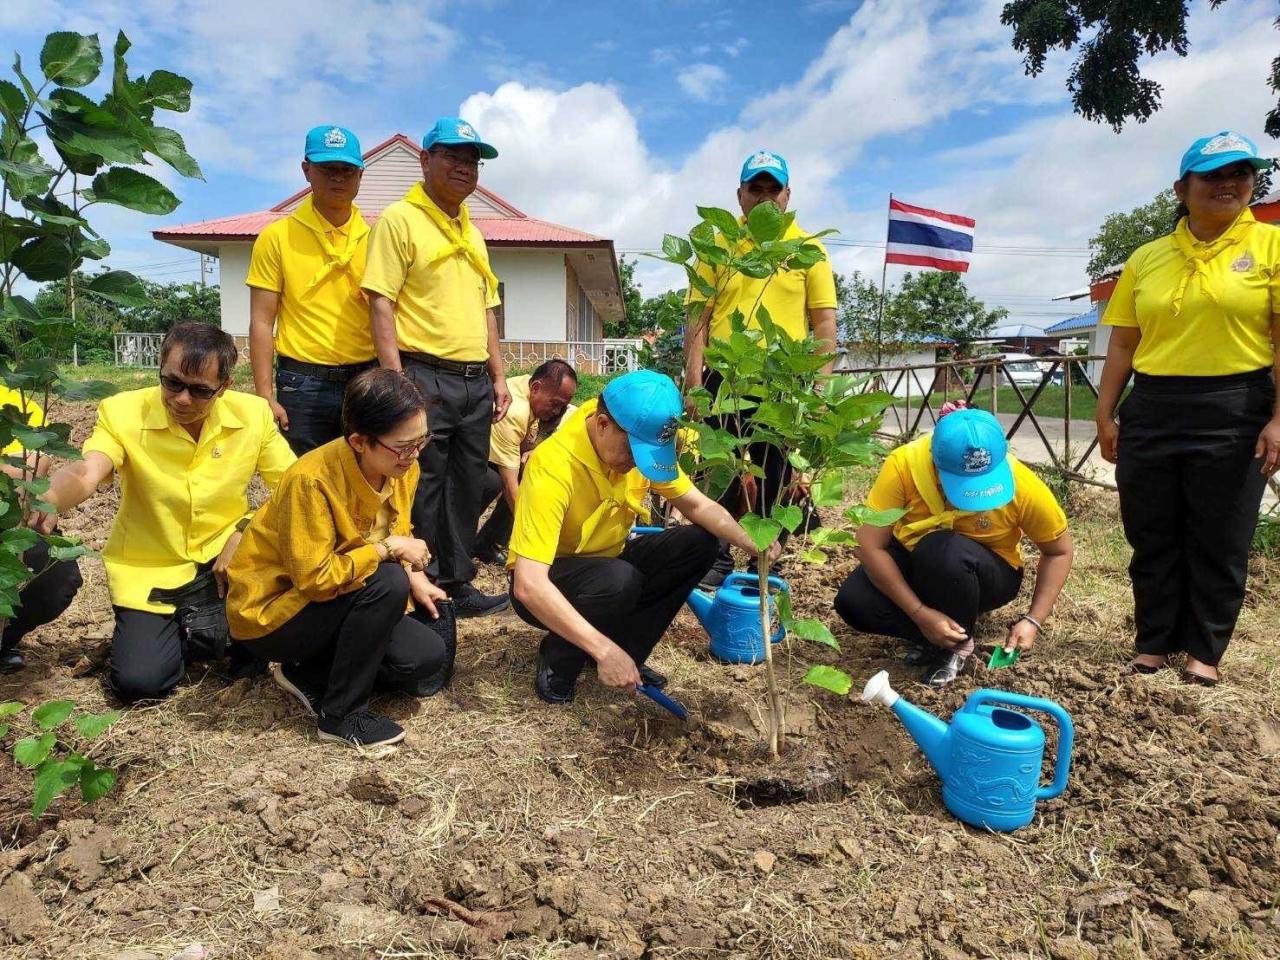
{"x":323,"y":371}
{"x":469,"y":370}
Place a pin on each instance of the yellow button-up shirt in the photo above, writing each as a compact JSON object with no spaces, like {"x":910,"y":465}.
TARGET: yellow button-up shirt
{"x":180,"y":498}
{"x":518,"y":428}
{"x":314,"y":540}
{"x":570,"y":504}
{"x":323,"y":315}
{"x":34,"y":415}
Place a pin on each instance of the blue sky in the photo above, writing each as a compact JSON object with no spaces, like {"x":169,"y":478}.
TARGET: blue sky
{"x":619,"y":117}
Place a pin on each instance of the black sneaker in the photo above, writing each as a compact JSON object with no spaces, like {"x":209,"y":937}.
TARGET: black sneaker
{"x":945,"y":669}
{"x":11,"y":661}
{"x":470,"y":602}
{"x":364,"y":728}
{"x":714,"y":577}
{"x":494,"y":555}
{"x":280,"y":673}
{"x":549,"y":687}
{"x":918,"y":656}
{"x":652,"y":677}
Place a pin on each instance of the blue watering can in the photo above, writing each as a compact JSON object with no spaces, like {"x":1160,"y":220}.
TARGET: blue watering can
{"x":989,"y":757}
{"x":732,"y":617}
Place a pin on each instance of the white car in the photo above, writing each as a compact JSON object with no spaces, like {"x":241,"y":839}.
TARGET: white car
{"x":1027,"y":371}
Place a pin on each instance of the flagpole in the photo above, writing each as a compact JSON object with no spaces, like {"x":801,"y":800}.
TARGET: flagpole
{"x":884,"y":272}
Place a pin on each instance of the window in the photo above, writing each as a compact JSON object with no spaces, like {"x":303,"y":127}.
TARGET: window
{"x":586,"y":332}
{"x":500,"y":311}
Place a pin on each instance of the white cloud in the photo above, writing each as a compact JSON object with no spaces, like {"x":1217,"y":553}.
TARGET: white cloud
{"x":702,"y":81}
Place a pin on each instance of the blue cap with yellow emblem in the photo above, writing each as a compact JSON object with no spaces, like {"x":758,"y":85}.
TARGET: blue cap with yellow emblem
{"x":331,"y":144}
{"x":972,"y":456}
{"x":1227,"y":147}
{"x":645,"y":404}
{"x":455,"y":132}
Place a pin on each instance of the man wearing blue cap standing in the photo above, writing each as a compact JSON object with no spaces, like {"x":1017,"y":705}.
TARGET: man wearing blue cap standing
{"x":574,"y":572}
{"x":801,"y":302}
{"x":431,"y":296}
{"x":306,"y":308}
{"x":956,"y":552}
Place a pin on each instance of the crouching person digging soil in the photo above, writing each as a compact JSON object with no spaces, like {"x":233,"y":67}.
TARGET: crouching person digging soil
{"x":323,"y":578}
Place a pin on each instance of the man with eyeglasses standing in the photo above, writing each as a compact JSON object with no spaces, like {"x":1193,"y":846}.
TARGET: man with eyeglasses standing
{"x":185,"y":452}
{"x":431,"y":298}
{"x":304,"y":279}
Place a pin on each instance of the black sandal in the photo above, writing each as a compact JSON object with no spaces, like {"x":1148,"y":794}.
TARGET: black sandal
{"x":1145,"y":669}
{"x":1198,"y":679}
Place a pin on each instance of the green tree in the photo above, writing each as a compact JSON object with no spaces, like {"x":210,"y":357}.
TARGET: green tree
{"x":1105,"y":82}
{"x":936,"y":303}
{"x":632,"y":322}
{"x":858,"y":311}
{"x":1123,"y":233}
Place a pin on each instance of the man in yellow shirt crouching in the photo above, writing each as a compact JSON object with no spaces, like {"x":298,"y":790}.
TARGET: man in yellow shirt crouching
{"x":185,"y":452}
{"x":575,"y":573}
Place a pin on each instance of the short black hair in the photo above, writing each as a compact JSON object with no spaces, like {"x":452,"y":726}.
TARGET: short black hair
{"x":553,"y":373}
{"x":199,"y":342}
{"x":379,"y":400}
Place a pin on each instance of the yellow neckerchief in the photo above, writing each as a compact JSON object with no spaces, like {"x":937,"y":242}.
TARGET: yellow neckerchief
{"x":578,"y":444}
{"x":456,"y":241}
{"x":1198,"y":254}
{"x":920,"y":462}
{"x":335,"y":260}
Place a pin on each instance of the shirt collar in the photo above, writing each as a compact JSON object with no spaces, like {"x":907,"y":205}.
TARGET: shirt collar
{"x":369,"y":497}
{"x":221,"y":416}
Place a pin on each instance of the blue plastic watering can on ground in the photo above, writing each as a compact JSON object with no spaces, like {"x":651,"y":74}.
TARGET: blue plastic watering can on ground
{"x":732,"y":617}
{"x":988,"y":757}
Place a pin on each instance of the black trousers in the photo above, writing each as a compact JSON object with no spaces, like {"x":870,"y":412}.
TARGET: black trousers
{"x":314,"y":407}
{"x":357,"y":643}
{"x":948,"y":572}
{"x":1190,"y":490}
{"x":148,"y":658}
{"x":631,"y":598}
{"x":497,"y":529}
{"x":44,"y":597}
{"x":777,"y":470}
{"x":446,"y":506}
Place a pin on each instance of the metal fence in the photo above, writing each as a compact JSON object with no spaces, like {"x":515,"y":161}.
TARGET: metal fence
{"x":138,"y":349}
{"x":601,"y":357}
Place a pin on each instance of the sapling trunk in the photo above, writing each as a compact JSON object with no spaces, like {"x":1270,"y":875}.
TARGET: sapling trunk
{"x":775,"y":698}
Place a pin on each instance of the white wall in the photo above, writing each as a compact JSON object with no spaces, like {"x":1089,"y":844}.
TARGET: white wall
{"x":233,"y":268}
{"x":533,"y":292}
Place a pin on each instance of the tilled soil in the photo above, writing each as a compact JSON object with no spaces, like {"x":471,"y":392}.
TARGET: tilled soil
{"x":504,"y":827}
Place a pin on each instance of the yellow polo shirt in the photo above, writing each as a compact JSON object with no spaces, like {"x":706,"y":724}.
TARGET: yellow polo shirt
{"x":35,"y":415}
{"x":517,"y":428}
{"x":571,"y":504}
{"x":180,"y":498}
{"x":788,"y":295}
{"x":440,"y":303}
{"x":323,"y":315}
{"x":1033,"y":511}
{"x":1206,"y":338}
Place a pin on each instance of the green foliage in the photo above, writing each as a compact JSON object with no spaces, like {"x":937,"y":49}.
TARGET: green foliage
{"x":1266,"y":537}
{"x":829,"y":678}
{"x":1123,"y":233}
{"x":664,"y":319}
{"x":934,"y":304}
{"x":57,"y":766}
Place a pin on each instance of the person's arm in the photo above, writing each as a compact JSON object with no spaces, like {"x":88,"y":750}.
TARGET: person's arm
{"x":510,"y":484}
{"x":382,"y":318}
{"x":532,"y":586}
{"x":263,"y":307}
{"x":823,"y":322}
{"x":699,"y":509}
{"x":1051,"y":575}
{"x":1115,"y":374}
{"x":873,"y":550}
{"x":1268,"y":446}
{"x":501,"y":395}
{"x":70,"y":486}
{"x":695,"y":343}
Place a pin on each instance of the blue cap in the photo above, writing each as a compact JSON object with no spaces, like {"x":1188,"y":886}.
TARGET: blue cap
{"x":972,"y":457}
{"x":330,"y":144}
{"x":646,"y":404}
{"x":764,"y":161}
{"x":453,"y":131}
{"x":1210,"y":153}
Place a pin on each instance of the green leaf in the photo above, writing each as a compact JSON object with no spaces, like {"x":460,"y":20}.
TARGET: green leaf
{"x":676,"y":249}
{"x":169,"y":146}
{"x":10,"y":707}
{"x":829,"y":678}
{"x":789,"y":516}
{"x":761,"y":531}
{"x":168,"y":91}
{"x":34,"y":169}
{"x":71,"y":59}
{"x":766,"y":222}
{"x":90,"y":725}
{"x":49,"y":210}
{"x":120,"y":287}
{"x":44,"y":258}
{"x":76,"y":138}
{"x":21,"y":186}
{"x":786,"y":616}
{"x":53,"y":778}
{"x":12,"y":103}
{"x":96,"y":782}
{"x":135,"y":190}
{"x":73,"y":552}
{"x":20,"y":539}
{"x":33,"y":751}
{"x":85,"y":389}
{"x":813,"y":555}
{"x":828,"y":490}
{"x":52,"y":714}
{"x":860,"y":514}
{"x":722,"y":220}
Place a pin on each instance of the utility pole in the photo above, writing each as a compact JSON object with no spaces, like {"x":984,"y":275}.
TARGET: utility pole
{"x":206,"y":268}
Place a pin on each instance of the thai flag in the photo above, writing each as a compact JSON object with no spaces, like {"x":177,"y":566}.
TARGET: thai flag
{"x":919,"y":237}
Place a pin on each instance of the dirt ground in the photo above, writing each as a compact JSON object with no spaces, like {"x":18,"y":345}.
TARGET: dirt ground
{"x":507,"y":828}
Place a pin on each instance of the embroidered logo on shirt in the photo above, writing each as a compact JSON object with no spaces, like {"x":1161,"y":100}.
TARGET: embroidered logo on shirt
{"x":1227,"y":143}
{"x":984,"y":522}
{"x":763,"y":159}
{"x":466,"y":130}
{"x":335,"y":139}
{"x":1243,"y":263}
{"x":977,"y":460}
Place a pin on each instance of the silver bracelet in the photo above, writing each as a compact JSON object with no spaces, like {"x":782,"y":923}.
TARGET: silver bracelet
{"x":1033,"y":621}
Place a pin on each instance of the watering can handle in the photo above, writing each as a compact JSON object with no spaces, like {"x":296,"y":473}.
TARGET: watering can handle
{"x":1066,"y":732}
{"x":753,"y":580}
{"x":644,"y":531}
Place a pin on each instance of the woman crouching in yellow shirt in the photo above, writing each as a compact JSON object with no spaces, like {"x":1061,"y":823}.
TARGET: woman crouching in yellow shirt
{"x":1196,"y":318}
{"x":322,"y":579}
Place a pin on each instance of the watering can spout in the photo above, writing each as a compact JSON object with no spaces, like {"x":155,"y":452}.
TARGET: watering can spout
{"x":931,"y":734}
{"x":700,"y":603}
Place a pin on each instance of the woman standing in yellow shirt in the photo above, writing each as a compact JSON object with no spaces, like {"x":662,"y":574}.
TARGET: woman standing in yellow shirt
{"x":1196,"y":318}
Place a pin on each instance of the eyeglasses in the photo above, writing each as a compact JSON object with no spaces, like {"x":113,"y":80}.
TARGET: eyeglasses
{"x":406,"y":450}
{"x":1242,"y":172}
{"x":458,"y":159}
{"x":336,"y":171}
{"x":198,"y":391}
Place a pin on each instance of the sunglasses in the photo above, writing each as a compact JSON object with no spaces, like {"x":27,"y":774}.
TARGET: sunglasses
{"x":198,"y":391}
{"x":406,"y":450}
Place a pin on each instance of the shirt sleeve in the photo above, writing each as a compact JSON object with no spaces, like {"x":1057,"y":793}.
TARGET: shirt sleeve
{"x":1122,"y":310}
{"x":674,"y":489}
{"x":889,"y":492}
{"x":266,"y":269}
{"x":541,"y":505}
{"x":1039,"y":514}
{"x":820,"y":284}
{"x":105,"y":439}
{"x":504,"y":442}
{"x":490,"y":301}
{"x":275,"y":455}
{"x":388,"y":259}
{"x":308,"y":536}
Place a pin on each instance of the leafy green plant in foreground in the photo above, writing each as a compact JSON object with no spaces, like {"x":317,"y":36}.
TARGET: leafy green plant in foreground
{"x":59,"y":765}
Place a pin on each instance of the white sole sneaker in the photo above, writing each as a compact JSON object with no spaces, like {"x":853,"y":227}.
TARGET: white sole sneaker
{"x":359,"y":746}
{"x":283,"y":682}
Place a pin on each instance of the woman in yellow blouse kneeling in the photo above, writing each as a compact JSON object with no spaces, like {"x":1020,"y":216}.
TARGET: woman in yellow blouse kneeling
{"x":322,"y":580}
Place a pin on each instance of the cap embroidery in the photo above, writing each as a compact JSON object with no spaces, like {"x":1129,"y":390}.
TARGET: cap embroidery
{"x":763,"y":159}
{"x":977,"y":460}
{"x":990,"y":491}
{"x":1227,"y":143}
{"x":335,"y":138}
{"x":668,"y":431}
{"x":466,"y":130}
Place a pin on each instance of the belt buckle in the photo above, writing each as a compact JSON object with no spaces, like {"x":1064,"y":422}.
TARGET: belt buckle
{"x":473,"y":370}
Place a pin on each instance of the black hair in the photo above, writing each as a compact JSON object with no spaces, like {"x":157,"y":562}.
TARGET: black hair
{"x":602,"y":407}
{"x":379,"y":400}
{"x":199,"y":342}
{"x":553,"y":373}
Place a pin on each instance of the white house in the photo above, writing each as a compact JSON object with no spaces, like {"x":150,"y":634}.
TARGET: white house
{"x":894,"y":359}
{"x":558,"y":284}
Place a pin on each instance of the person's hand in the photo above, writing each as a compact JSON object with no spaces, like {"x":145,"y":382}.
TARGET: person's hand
{"x":1108,"y":439}
{"x":41,"y":522}
{"x":617,"y":669}
{"x":280,"y":413}
{"x":501,"y":400}
{"x":1267,"y":448}
{"x":425,"y":593}
{"x":224,"y":560}
{"x":774,"y":552}
{"x":408,"y":550}
{"x":939,"y":629}
{"x":1022,"y":636}
{"x":799,"y":489}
